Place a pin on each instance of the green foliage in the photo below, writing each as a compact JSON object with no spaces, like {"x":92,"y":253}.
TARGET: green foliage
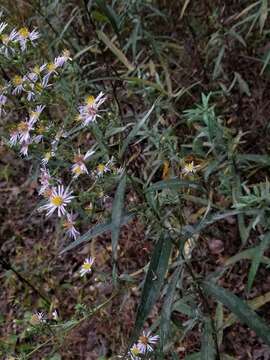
{"x":173,"y":135}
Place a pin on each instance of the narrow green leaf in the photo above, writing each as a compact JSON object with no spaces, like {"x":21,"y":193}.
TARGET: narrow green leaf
{"x":168,"y":307}
{"x":153,"y":282}
{"x":95,"y":231}
{"x":108,"y":11}
{"x":218,"y":67}
{"x":117,"y":210}
{"x":174,"y":184}
{"x":240,"y":308}
{"x":208,"y":351}
{"x":264,"y":244}
{"x":219,"y":323}
{"x":135,"y":130}
{"x":115,"y":50}
{"x":194,"y":356}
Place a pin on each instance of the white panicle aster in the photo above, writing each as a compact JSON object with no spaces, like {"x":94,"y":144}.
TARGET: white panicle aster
{"x":69,"y":226}
{"x":189,"y":168}
{"x":79,"y":166}
{"x":104,"y":168}
{"x":87,"y":266}
{"x":25,"y":35}
{"x":62,"y":59}
{"x":58,"y":200}
{"x":38,"y":318}
{"x":17,"y":82}
{"x":6,"y":48}
{"x":146,"y":340}
{"x":34,"y":115}
{"x":134,"y":352}
{"x":89,"y":110}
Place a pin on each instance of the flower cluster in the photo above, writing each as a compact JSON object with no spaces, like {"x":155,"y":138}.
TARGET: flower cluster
{"x":15,"y":41}
{"x":143,"y":346}
{"x":21,"y":134}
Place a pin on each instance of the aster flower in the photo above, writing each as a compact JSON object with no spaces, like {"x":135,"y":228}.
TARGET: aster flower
{"x":38,"y":318}
{"x":34,"y":115}
{"x":87,"y":266}
{"x":46,"y":158}
{"x":50,"y":69}
{"x":6,"y":49}
{"x":24,"y":35}
{"x":58,"y":200}
{"x":189,"y":168}
{"x":104,"y":168}
{"x":24,"y":129}
{"x":146,"y":340}
{"x":17,"y":82}
{"x":134,"y":352}
{"x":89,"y":110}
{"x":62,"y":59}
{"x":69,"y":226}
{"x":79,"y":166}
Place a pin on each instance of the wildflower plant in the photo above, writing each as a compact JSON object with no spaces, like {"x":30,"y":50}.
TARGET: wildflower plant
{"x":129,"y":145}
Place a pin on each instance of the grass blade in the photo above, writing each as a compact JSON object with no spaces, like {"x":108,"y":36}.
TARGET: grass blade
{"x":174,"y":184}
{"x":240,"y":308}
{"x":135,"y":130}
{"x":259,"y":251}
{"x":167,"y":308}
{"x":153,"y":282}
{"x":117,"y":210}
{"x":114,"y":49}
{"x":208,"y":351}
{"x":95,"y":231}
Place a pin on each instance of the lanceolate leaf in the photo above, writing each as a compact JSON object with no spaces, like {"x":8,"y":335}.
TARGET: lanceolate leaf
{"x":240,"y":308}
{"x":208,"y":351}
{"x":135,"y":130}
{"x":153,"y":282}
{"x":117,"y":210}
{"x":168,"y":307}
{"x":257,"y":259}
{"x":95,"y":231}
{"x":174,"y":184}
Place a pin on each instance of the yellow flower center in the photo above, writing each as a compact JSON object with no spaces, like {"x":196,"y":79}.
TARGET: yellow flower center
{"x":23,"y":126}
{"x":90,"y":100}
{"x":36,"y":69}
{"x":189,"y":167}
{"x":57,"y":200}
{"x":68,"y":224}
{"x":87,"y":266}
{"x":51,"y":67}
{"x":24,"y":32}
{"x":78,"y":118}
{"x":38,"y":87}
{"x":101,"y":168}
{"x":34,"y":114}
{"x":5,"y":39}
{"x":143,"y":340}
{"x":135,"y":351}
{"x":17,"y":80}
{"x":77,"y":170}
{"x":40,"y":130}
